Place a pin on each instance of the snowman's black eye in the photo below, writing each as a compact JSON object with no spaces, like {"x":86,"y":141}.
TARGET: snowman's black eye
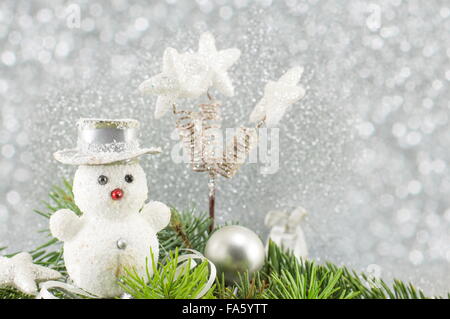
{"x":102,"y":179}
{"x":129,"y":178}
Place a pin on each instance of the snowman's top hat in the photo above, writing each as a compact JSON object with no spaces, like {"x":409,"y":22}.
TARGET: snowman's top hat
{"x":105,"y":141}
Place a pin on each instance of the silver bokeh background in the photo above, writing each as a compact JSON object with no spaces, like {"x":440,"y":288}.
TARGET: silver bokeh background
{"x":366,"y":152}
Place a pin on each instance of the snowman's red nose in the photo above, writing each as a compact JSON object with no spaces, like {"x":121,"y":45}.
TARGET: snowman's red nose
{"x":117,"y":194}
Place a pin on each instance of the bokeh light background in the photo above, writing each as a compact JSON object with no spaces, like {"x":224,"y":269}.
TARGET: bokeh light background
{"x":366,"y":152}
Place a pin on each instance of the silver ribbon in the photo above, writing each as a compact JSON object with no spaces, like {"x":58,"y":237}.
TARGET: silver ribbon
{"x":107,"y":139}
{"x":107,"y":135}
{"x":45,"y":287}
{"x":212,"y":269}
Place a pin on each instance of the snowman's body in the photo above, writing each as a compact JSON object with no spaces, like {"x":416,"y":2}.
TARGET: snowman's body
{"x":116,"y":230}
{"x":97,"y":255}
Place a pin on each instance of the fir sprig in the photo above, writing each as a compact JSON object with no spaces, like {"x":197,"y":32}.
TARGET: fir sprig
{"x":11,"y":293}
{"x":60,"y":198}
{"x":185,"y":230}
{"x":169,"y":280}
{"x":338,"y":282}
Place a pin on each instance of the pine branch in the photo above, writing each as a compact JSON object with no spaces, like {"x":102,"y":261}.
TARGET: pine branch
{"x":251,"y":287}
{"x":60,"y":198}
{"x":186,"y":230}
{"x":347,"y":281}
{"x":11,"y":293}
{"x":168,"y":280}
{"x":177,"y":226}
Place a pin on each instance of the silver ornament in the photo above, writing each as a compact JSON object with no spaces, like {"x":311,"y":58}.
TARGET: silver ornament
{"x":235,"y":250}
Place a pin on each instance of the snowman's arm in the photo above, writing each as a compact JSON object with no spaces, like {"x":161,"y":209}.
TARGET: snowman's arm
{"x":64,"y":224}
{"x":156,"y":214}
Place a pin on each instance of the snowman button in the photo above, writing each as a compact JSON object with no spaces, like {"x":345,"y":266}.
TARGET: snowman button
{"x":121,"y":244}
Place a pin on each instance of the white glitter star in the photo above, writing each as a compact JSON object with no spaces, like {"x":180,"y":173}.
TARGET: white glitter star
{"x":278,"y":96}
{"x":219,"y":62}
{"x":182,"y":76}
{"x":20,"y":272}
{"x":190,"y":75}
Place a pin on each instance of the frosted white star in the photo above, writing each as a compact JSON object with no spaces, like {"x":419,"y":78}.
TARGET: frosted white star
{"x":20,"y":272}
{"x":182,"y":76}
{"x":189,"y":75}
{"x":219,"y":62}
{"x":278,"y":96}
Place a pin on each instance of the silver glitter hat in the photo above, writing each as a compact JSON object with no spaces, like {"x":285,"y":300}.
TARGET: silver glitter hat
{"x":105,"y":141}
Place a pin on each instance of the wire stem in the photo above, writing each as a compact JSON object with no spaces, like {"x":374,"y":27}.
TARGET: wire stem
{"x":212,"y":198}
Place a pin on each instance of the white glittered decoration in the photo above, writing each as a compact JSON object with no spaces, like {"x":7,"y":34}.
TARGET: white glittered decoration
{"x":278,"y":96}
{"x":286,"y":230}
{"x":112,"y":234}
{"x":183,"y":76}
{"x":219,"y":62}
{"x":20,"y":272}
{"x":190,"y":75}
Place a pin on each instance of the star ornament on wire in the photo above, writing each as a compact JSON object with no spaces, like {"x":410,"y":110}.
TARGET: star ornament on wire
{"x":278,"y":96}
{"x":219,"y":62}
{"x":20,"y":272}
{"x":182,"y":76}
{"x":189,"y":75}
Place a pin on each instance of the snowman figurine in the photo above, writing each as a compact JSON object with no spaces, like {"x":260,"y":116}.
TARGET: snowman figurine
{"x":116,"y":230}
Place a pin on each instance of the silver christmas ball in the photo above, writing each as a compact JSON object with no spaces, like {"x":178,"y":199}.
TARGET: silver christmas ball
{"x":235,"y":250}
